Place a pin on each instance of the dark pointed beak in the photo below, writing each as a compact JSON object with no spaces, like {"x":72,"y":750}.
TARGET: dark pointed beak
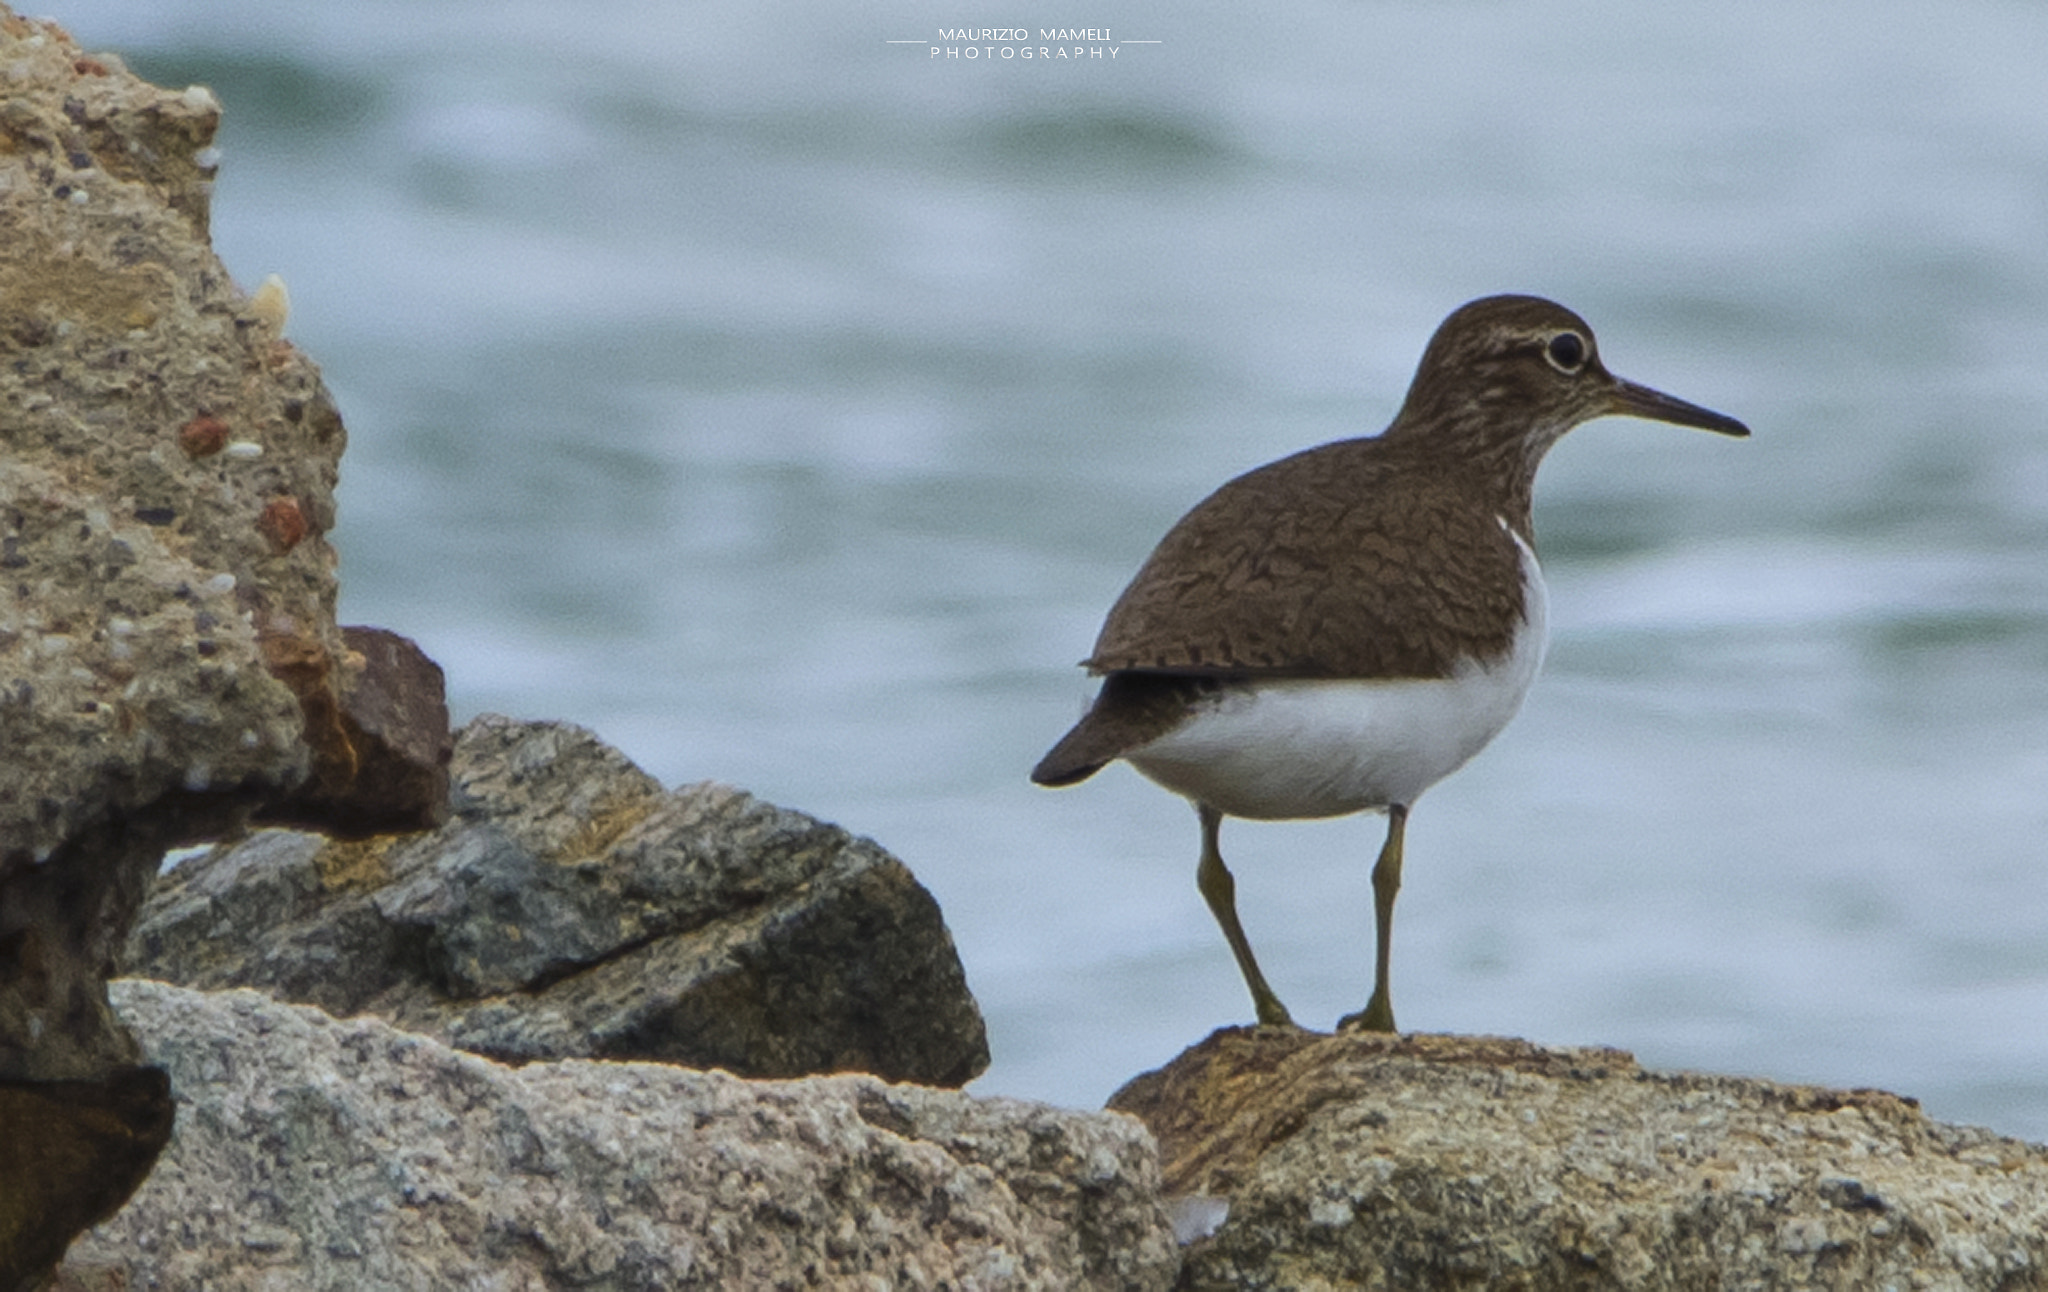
{"x":1640,"y":401}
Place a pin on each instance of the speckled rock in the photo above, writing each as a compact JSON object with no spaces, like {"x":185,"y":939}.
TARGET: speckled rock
{"x":140,"y":605}
{"x":154,"y":639}
{"x":1361,"y":1161}
{"x":316,"y":1154}
{"x":169,"y":660}
{"x":162,"y":660}
{"x":574,"y":908}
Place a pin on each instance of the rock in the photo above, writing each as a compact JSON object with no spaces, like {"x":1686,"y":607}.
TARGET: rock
{"x":135,"y":594}
{"x":572,"y":908}
{"x":1364,"y":1161}
{"x":139,"y":600}
{"x":394,"y":717}
{"x":158,"y":651}
{"x":319,"y":1154}
{"x":88,"y":1143}
{"x":169,"y":660}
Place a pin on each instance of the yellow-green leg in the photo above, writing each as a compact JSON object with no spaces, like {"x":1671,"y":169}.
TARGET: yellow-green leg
{"x":1378,"y":1014}
{"x":1220,"y":891}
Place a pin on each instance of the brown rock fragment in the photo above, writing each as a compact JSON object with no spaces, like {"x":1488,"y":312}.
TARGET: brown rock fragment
{"x":394,"y":720}
{"x":283,"y":523}
{"x":203,"y":436}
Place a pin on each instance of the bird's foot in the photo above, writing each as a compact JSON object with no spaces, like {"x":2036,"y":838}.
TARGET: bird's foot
{"x":1274,"y":1014}
{"x":1377,"y":1016}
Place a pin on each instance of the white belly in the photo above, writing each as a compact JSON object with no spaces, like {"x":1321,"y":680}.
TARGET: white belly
{"x":1319,"y":748}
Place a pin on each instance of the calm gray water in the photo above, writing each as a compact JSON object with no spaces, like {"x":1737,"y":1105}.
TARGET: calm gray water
{"x":788,"y":405}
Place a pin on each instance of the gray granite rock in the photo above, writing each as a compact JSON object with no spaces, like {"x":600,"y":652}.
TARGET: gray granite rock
{"x":572,"y":907}
{"x":320,"y":1154}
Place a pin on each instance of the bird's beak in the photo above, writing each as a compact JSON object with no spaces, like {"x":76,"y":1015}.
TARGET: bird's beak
{"x":1640,"y":401}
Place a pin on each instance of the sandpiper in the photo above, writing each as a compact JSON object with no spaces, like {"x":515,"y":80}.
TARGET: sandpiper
{"x":1337,"y":631}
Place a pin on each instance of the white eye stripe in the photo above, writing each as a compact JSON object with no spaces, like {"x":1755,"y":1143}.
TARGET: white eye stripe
{"x":1567,"y":352}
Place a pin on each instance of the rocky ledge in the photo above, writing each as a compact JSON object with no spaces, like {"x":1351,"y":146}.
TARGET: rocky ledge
{"x":1297,"y":1159}
{"x":170,"y":665}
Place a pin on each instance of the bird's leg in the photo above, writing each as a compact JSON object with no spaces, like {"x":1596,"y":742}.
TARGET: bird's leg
{"x":1220,"y":891}
{"x":1378,"y":1014}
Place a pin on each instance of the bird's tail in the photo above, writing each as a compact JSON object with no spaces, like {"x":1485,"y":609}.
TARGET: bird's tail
{"x":1069,"y":762}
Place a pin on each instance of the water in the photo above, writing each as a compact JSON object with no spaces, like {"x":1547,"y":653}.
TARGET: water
{"x":788,"y":406}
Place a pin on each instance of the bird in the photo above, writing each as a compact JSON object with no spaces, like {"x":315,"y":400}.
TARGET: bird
{"x":1338,"y":630}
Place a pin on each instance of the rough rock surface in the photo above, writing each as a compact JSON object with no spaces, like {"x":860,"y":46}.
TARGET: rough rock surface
{"x":320,"y":1154}
{"x":154,"y":640}
{"x":165,"y":654}
{"x":573,"y":908}
{"x":1362,"y":1161}
{"x":169,"y":660}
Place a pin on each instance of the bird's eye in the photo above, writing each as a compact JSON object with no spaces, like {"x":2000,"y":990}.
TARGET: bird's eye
{"x":1566,"y":352}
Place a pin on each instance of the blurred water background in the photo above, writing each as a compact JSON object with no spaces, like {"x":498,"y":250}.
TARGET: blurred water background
{"x":788,"y":405}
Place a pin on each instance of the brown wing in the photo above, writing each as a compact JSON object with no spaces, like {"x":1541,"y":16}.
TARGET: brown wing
{"x":1349,"y":560}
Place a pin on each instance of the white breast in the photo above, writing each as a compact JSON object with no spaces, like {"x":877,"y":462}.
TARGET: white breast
{"x":1316,"y":748}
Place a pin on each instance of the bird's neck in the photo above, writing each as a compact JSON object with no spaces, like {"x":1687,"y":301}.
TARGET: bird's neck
{"x":1498,"y":472}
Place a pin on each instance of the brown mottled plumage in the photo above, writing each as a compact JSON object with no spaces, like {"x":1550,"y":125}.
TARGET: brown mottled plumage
{"x":1364,"y":558}
{"x":1396,"y":557}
